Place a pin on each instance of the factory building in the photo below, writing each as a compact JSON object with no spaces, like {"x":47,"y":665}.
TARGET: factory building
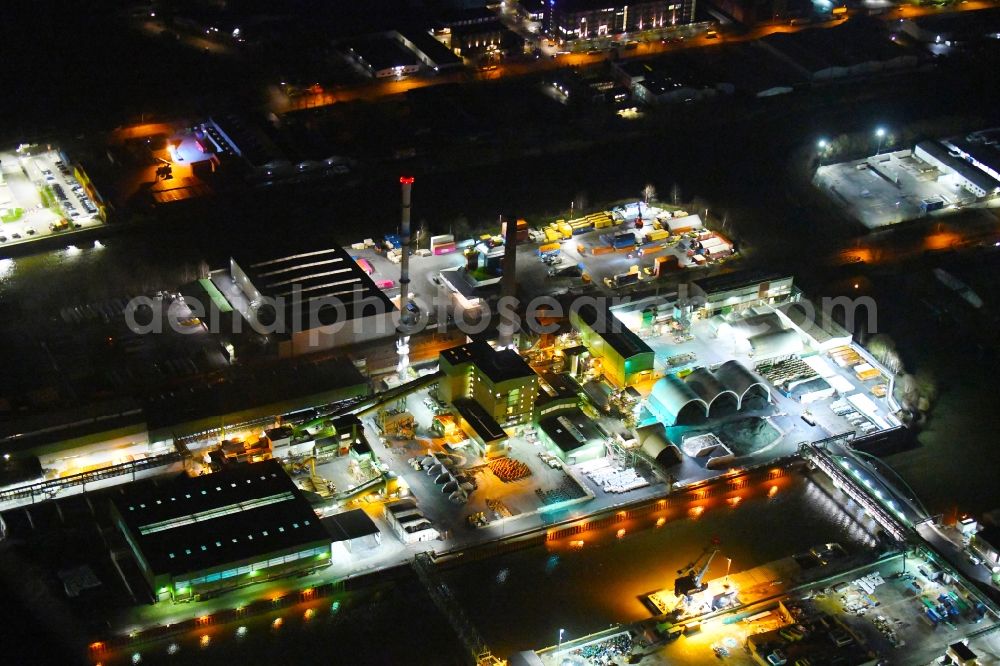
{"x":500,"y":382}
{"x":588,"y":19}
{"x":572,"y":436}
{"x":624,"y":358}
{"x":559,"y":393}
{"x":195,"y":535}
{"x":737,"y":291}
{"x":311,"y":301}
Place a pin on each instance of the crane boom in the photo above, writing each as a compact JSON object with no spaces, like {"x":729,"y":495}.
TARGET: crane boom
{"x":690,"y":577}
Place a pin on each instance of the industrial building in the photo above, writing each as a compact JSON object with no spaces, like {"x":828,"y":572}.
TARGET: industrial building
{"x":396,"y":53}
{"x":559,"y":393}
{"x":737,"y":291}
{"x":353,"y":531}
{"x":409,"y":523}
{"x":588,"y":19}
{"x":195,"y":535}
{"x":381,"y":57}
{"x":500,"y":382}
{"x":704,"y":394}
{"x":665,"y":81}
{"x":312,"y":300}
{"x":481,"y":427}
{"x":653,"y":441}
{"x":950,"y":162}
{"x":853,"y":48}
{"x":986,"y":542}
{"x":624,"y":358}
{"x":753,"y":12}
{"x":572,"y":436}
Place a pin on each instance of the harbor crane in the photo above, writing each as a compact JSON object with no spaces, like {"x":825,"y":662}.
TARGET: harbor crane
{"x":689,"y":578}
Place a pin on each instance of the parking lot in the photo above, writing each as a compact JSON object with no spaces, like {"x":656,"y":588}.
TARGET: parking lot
{"x":888,"y":189}
{"x":40,"y":196}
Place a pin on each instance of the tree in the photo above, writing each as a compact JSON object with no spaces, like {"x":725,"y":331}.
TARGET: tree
{"x":423,"y":233}
{"x":649,"y":193}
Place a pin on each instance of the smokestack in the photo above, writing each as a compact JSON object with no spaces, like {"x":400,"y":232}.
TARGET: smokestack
{"x":406,"y":317}
{"x":404,"y":274}
{"x":508,"y":287}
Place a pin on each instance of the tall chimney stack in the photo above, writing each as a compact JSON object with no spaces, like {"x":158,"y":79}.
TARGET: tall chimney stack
{"x":407,"y":318}
{"x":508,"y":287}
{"x":404,"y":275}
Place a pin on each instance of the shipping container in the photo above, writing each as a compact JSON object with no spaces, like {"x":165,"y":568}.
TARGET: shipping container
{"x":623,"y":240}
{"x":602,"y":249}
{"x":565,"y":229}
{"x":447,"y":248}
{"x":625,"y":279}
{"x":443,"y":239}
{"x":602,"y":223}
{"x":658,"y":235}
{"x":549,"y":248}
{"x":552,"y":235}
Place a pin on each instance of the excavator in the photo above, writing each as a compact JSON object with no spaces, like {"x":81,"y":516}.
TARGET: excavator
{"x":689,"y":578}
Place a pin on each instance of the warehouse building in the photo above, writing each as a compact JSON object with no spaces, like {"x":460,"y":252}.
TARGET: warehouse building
{"x":313,"y":300}
{"x":409,"y":523}
{"x":737,"y":291}
{"x":353,"y":531}
{"x":501,"y":382}
{"x":624,"y":358}
{"x":195,"y":535}
{"x":951,"y":161}
{"x":853,"y":48}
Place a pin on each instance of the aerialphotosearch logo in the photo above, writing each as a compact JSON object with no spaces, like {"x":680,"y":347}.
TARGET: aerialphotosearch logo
{"x":367,"y":316}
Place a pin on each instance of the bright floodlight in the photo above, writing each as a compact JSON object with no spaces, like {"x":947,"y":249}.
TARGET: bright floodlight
{"x":880,"y":132}
{"x":821,"y":143}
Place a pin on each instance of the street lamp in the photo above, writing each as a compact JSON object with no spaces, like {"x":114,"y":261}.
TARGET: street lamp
{"x":729,"y":563}
{"x":822,"y":147}
{"x":880,"y":133}
{"x":561,"y":632}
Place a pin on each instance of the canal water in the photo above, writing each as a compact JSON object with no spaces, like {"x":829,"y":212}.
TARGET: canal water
{"x":521,"y":600}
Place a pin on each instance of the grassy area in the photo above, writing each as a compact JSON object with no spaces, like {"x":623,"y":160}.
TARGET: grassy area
{"x":48,"y":197}
{"x":12,"y":215}
{"x":481,"y":275}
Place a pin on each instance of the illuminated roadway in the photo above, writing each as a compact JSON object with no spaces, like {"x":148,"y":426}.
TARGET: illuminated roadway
{"x":281,"y":103}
